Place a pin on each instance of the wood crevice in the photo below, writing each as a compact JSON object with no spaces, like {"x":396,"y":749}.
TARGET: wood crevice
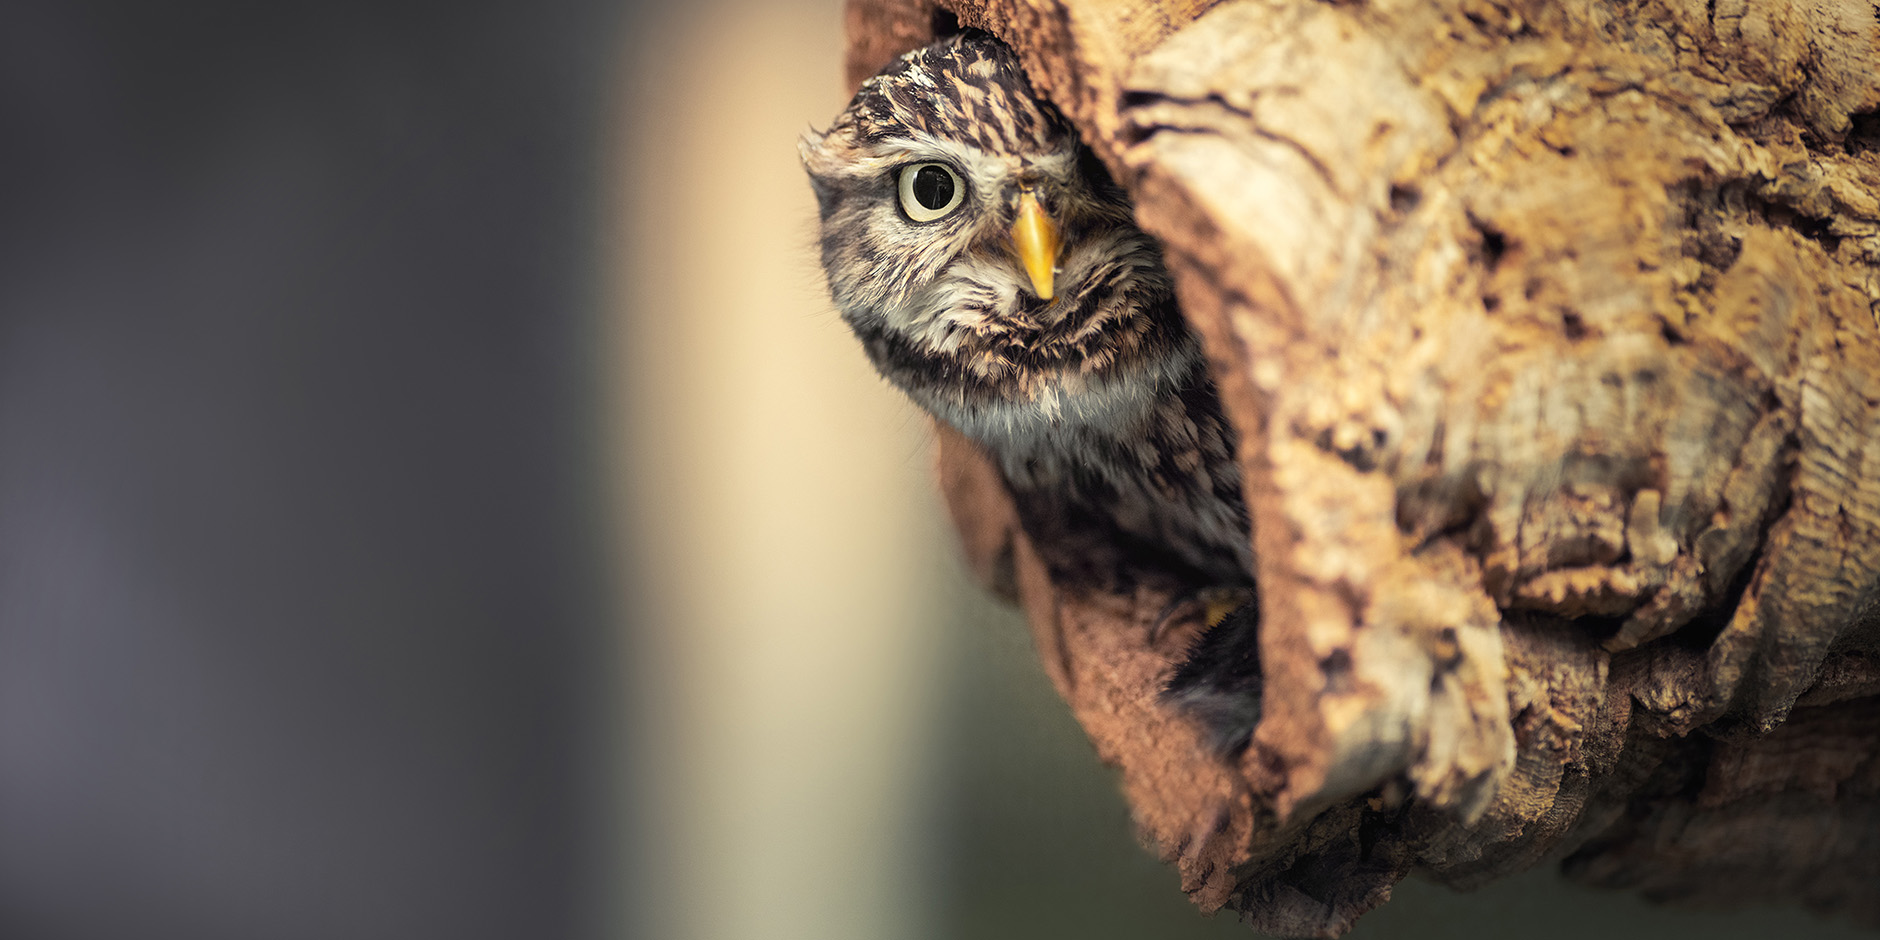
{"x":1552,"y":333}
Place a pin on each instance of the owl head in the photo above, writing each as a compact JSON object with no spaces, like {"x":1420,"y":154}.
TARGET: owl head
{"x":981,"y":253}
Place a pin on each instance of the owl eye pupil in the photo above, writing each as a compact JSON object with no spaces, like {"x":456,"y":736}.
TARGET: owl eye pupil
{"x":933,"y":187}
{"x":929,"y":191}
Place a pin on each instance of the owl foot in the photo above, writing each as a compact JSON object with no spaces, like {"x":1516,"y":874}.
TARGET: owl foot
{"x":1210,"y":605}
{"x":1218,"y":685}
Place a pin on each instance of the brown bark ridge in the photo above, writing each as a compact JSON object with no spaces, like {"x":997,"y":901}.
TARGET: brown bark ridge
{"x":1552,"y":331}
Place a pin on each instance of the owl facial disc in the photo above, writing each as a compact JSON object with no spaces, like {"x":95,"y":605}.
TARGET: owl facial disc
{"x":984,"y":257}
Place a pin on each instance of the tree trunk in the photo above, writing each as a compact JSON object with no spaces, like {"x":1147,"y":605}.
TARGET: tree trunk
{"x":1551,"y":333}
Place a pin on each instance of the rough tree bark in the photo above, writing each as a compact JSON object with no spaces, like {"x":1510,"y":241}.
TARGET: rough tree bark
{"x":1551,"y":332}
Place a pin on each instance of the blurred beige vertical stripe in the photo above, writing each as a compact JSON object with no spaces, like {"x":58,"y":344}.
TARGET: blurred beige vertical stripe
{"x":775,"y":497}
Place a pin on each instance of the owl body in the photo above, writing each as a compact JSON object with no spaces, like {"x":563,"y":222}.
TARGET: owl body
{"x":994,"y":273}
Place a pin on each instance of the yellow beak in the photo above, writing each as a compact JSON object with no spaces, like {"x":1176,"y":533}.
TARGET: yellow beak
{"x":1036,"y":238}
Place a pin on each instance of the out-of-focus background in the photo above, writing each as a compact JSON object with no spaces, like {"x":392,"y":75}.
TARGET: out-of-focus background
{"x":436,"y":501}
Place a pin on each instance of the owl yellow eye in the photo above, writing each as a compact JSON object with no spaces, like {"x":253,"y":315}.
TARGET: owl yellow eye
{"x":930,"y":190}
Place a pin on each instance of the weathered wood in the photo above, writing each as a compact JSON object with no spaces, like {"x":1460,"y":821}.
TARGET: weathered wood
{"x":1553,"y":335}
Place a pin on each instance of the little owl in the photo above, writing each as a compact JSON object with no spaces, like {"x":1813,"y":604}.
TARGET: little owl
{"x":994,"y":272}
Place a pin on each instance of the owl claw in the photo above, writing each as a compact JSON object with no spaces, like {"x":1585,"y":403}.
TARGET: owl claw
{"x":1210,"y":605}
{"x":1218,"y":684}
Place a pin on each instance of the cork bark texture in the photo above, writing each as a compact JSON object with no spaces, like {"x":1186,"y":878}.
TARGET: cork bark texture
{"x":1552,"y":331}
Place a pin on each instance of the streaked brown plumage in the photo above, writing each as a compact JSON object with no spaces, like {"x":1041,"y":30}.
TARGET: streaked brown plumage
{"x":994,"y":272}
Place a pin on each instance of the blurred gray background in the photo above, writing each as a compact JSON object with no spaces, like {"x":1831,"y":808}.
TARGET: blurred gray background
{"x":436,"y":501}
